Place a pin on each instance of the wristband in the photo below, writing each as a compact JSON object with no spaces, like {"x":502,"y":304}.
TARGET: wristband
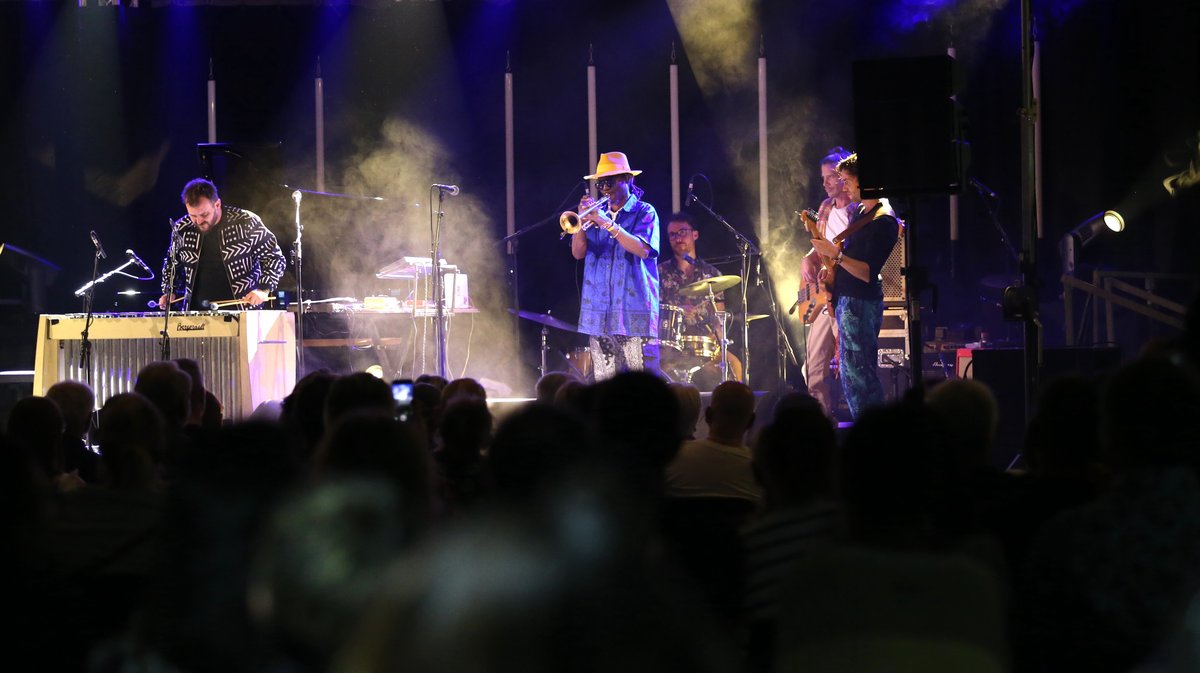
{"x":837,"y":261}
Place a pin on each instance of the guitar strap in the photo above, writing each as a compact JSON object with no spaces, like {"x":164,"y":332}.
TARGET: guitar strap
{"x":859,"y":222}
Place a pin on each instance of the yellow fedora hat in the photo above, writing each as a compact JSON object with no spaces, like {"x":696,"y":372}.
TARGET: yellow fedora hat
{"x":611,"y":163}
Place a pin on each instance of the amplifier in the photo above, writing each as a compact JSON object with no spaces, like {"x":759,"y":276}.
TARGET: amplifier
{"x":247,"y":357}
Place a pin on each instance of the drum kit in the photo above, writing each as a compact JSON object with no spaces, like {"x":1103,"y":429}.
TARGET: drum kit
{"x":701,"y":360}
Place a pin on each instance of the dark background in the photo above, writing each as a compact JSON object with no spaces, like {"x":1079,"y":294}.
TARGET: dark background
{"x":106,"y":104}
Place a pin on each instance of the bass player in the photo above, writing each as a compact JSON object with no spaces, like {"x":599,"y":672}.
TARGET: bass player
{"x":821,"y":345}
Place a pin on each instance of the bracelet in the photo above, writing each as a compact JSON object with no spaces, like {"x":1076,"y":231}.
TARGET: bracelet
{"x":837,"y":261}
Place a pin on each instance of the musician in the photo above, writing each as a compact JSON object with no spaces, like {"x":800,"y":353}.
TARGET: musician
{"x":683,"y":268}
{"x":222,"y":252}
{"x":619,"y":301}
{"x":869,"y":239}
{"x":832,"y":218}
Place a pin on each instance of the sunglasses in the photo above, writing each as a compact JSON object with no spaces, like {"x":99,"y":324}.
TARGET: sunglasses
{"x":605,"y":183}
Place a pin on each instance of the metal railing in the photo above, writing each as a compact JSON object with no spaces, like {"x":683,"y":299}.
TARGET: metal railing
{"x":1104,"y":289}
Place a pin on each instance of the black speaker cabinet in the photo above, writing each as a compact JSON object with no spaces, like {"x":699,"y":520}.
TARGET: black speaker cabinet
{"x":907,"y":126}
{"x":1003,"y":370}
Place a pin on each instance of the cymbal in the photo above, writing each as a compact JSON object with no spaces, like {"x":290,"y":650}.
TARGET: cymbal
{"x":700,"y":287}
{"x":756,"y":316}
{"x":1000,"y":281}
{"x":545,"y":319}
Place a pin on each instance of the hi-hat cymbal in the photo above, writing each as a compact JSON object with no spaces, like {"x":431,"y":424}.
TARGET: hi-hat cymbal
{"x":545,"y":319}
{"x":717,"y":283}
{"x":756,"y":316}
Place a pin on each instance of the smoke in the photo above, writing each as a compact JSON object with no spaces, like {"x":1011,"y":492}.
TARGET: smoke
{"x":358,"y":237}
{"x":719,"y":38}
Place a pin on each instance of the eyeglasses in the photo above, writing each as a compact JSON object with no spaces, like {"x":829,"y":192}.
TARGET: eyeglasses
{"x":681,"y":233}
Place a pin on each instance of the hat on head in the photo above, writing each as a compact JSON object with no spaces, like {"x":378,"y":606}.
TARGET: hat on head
{"x":611,"y":163}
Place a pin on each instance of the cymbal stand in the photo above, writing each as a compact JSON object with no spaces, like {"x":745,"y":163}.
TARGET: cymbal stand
{"x":545,"y":349}
{"x":747,"y":250}
{"x":712,"y":300}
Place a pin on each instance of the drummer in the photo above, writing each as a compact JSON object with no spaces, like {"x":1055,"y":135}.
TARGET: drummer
{"x":683,"y":268}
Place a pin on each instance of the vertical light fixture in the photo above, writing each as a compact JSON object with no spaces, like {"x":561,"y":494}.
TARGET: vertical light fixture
{"x":212,"y":103}
{"x":673,"y":72}
{"x":593,"y":149}
{"x":510,"y":191}
{"x":319,"y":107}
{"x":763,"y":211}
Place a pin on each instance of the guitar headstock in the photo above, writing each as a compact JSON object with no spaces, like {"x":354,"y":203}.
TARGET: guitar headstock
{"x":809,"y":218}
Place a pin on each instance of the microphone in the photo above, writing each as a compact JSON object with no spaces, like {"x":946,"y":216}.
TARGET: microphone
{"x":691,"y":186}
{"x":296,"y":196}
{"x":981,"y":188}
{"x":99,"y":248}
{"x":138,"y":260}
{"x":688,"y":258}
{"x":452,"y":190}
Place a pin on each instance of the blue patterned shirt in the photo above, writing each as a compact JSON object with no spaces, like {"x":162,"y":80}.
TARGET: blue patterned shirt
{"x":620,"y":289}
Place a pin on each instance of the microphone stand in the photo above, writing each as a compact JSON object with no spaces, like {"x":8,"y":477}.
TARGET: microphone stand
{"x":747,"y":249}
{"x":85,"y":344}
{"x":782,"y":342}
{"x":298,"y":261}
{"x":88,"y":292}
{"x":436,"y":270}
{"x":164,"y":346}
{"x":987,"y":203}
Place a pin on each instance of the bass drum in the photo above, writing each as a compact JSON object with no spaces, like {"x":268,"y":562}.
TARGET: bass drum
{"x":708,"y":375}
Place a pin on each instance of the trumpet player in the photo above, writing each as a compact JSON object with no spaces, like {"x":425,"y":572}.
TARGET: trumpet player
{"x":618,"y":243}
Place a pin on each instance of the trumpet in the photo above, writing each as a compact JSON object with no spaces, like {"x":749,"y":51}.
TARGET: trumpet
{"x":573,"y":222}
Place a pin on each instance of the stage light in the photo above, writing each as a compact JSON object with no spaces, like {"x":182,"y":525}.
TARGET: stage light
{"x":1109,"y":220}
{"x":1096,"y":225}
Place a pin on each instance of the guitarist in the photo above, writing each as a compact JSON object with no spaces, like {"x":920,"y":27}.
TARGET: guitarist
{"x":860,"y":253}
{"x":821,"y":345}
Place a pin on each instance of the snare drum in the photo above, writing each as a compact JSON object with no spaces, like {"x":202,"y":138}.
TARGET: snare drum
{"x":698,"y":347}
{"x":670,"y":329}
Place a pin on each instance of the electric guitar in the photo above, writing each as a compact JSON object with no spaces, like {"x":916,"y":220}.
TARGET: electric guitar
{"x":812,"y":223}
{"x":815,"y":296}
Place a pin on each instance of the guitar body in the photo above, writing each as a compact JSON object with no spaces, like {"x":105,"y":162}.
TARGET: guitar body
{"x":815,"y":297}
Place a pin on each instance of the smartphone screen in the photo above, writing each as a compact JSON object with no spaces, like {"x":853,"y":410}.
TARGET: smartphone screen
{"x":402,"y":393}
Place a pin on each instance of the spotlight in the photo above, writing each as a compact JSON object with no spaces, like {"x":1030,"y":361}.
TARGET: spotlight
{"x":1096,"y":224}
{"x":1109,"y":220}
{"x":376,"y":371}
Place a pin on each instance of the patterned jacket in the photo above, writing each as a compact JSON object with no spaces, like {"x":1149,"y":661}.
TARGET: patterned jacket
{"x":252,"y":256}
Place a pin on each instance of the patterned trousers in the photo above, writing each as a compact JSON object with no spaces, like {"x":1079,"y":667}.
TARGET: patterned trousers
{"x":859,"y":321}
{"x":616,"y":353}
